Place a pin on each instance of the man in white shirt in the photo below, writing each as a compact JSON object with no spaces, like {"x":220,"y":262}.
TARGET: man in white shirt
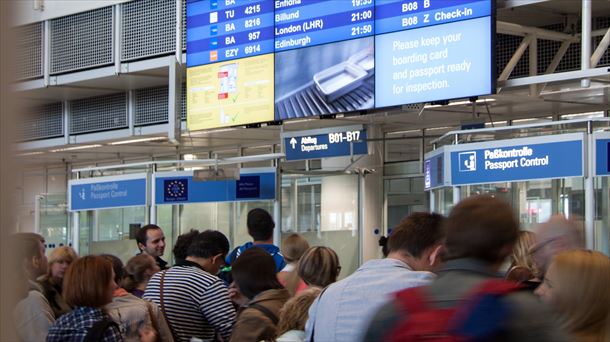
{"x":343,"y":310}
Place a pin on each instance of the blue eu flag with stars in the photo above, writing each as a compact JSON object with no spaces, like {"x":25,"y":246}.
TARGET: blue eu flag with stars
{"x":176,"y":190}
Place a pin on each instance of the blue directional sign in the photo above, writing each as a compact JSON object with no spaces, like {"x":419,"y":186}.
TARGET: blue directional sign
{"x":179,"y":187}
{"x":325,"y":143}
{"x":518,"y":159}
{"x":602,"y":155}
{"x":107,"y":192}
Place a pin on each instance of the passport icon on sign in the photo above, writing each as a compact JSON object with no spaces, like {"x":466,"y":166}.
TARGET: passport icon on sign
{"x":468,"y":161}
{"x":213,"y":30}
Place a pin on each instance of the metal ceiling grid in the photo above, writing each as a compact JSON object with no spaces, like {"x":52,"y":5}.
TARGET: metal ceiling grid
{"x":151,"y":106}
{"x":82,"y":40}
{"x":42,"y":122}
{"x":28,"y":51}
{"x":98,"y":113}
{"x":148,"y":28}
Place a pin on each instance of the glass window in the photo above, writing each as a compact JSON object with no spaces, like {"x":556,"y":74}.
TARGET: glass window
{"x":325,"y":211}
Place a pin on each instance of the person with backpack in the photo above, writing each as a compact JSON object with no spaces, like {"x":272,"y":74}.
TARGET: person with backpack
{"x":260,"y":296}
{"x":260,"y":227}
{"x":343,"y":309}
{"x":88,"y":287}
{"x":468,"y":302}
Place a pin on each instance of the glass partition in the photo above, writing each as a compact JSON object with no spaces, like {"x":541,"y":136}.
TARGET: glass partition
{"x":325,"y":211}
{"x":54,"y":220}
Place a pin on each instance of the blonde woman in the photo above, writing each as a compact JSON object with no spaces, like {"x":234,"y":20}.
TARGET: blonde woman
{"x":51,"y":283}
{"x":293,"y":247}
{"x":576,"y":286}
{"x":294,"y":314}
{"x":319,"y":266}
{"x":522,"y":267}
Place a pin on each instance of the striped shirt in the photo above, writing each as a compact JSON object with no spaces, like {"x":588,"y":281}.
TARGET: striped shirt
{"x":197,"y":303}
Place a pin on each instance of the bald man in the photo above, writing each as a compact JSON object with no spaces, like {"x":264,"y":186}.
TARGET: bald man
{"x":556,"y":235}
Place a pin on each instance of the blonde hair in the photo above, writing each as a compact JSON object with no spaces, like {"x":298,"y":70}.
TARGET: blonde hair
{"x":319,"y":266}
{"x":60,"y":254}
{"x":521,"y":257}
{"x":581,"y":295}
{"x":294,"y":313}
{"x":293,"y":248}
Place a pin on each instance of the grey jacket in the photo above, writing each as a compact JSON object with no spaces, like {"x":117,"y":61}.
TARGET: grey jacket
{"x":529,"y":320}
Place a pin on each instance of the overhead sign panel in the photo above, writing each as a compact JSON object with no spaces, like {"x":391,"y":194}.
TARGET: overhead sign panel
{"x":602,"y":153}
{"x":179,"y":187}
{"x":517,"y":159}
{"x":325,"y":143}
{"x":107,"y":192}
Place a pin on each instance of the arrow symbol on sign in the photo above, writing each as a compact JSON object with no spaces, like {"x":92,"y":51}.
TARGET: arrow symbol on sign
{"x":293,"y":142}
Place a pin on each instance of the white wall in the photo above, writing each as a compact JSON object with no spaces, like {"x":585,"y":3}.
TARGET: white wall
{"x":24,"y":12}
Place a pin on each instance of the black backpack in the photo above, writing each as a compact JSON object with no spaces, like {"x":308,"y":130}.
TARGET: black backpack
{"x":96,"y":332}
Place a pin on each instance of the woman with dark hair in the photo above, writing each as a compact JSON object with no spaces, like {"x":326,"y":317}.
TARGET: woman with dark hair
{"x":88,"y":286}
{"x":256,"y":287}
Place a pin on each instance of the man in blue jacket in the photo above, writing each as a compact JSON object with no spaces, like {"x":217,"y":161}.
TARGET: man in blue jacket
{"x":260,"y":228}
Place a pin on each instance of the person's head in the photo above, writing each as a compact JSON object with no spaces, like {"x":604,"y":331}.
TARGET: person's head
{"x":28,"y":251}
{"x":294,"y":313}
{"x":556,"y":235}
{"x":293,"y":247}
{"x":260,"y":224}
{"x":117,"y":266}
{"x":151,"y":240}
{"x":319,"y":266}
{"x":254,"y":272}
{"x":209,"y":248}
{"x":138,"y":270}
{"x":418,"y":240}
{"x":481,"y":227}
{"x":182,"y":244}
{"x":59,"y":260}
{"x":576,"y":285}
{"x":89,"y":281}
{"x":521,"y":256}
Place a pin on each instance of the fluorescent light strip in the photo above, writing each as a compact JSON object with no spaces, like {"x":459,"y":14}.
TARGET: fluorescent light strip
{"x":75,"y":148}
{"x":459,"y":103}
{"x":29,"y":154}
{"x":123,"y":142}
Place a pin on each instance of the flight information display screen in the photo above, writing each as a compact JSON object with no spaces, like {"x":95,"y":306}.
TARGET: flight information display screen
{"x":222,"y":30}
{"x":252,"y":61}
{"x":303,"y":23}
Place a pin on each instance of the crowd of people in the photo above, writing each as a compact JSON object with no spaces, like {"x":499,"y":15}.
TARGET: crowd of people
{"x":441,"y":278}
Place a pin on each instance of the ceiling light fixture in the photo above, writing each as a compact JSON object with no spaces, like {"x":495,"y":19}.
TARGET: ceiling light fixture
{"x":28,"y":154}
{"x":131,"y":141}
{"x":75,"y":148}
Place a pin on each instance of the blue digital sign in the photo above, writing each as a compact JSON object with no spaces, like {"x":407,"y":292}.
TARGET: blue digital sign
{"x":399,"y":15}
{"x":222,"y":30}
{"x":434,"y":63}
{"x":303,"y":23}
{"x":251,"y":186}
{"x":299,"y":146}
{"x":434,"y":171}
{"x":512,"y":160}
{"x":602,"y":157}
{"x":107,"y":192}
